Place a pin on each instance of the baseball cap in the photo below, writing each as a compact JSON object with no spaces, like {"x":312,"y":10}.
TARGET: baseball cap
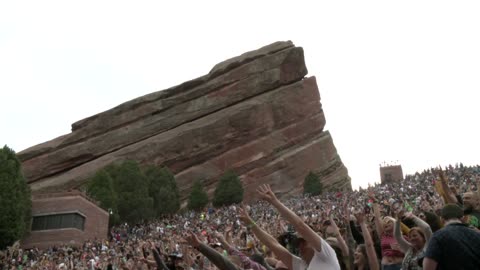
{"x":451,"y":211}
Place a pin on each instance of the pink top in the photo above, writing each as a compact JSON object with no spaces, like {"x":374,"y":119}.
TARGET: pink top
{"x":386,"y":244}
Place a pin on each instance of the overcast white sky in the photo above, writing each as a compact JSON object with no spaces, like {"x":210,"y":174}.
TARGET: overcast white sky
{"x":399,"y":80}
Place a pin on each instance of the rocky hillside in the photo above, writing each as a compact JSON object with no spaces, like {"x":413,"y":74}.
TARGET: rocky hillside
{"x":256,"y":113}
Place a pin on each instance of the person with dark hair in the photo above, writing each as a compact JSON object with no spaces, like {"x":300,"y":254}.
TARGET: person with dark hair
{"x":433,"y":220}
{"x":456,"y":246}
{"x":365,"y":257}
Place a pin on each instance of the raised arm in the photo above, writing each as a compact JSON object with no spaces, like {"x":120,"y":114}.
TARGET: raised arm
{"x":216,"y":258}
{"x":280,"y":252}
{"x":158,"y":259}
{"x":309,"y":235}
{"x":246,"y":261}
{"x":449,"y":196}
{"x":228,"y":235}
{"x":370,"y":248}
{"x":224,"y":242}
{"x":404,"y":245}
{"x":423,"y":225}
{"x":341,"y":242}
{"x":357,"y":235}
{"x":378,"y":219}
{"x":350,"y":240}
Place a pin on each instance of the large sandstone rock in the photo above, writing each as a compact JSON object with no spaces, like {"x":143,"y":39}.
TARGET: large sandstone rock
{"x":256,"y":114}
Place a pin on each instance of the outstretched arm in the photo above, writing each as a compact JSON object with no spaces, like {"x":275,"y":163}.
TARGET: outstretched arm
{"x":397,"y":233}
{"x":371,"y":254}
{"x":309,"y":235}
{"x":216,"y":258}
{"x":449,"y":196}
{"x":423,"y":225}
{"x":341,"y":242}
{"x":350,"y":240}
{"x":246,"y":261}
{"x":404,"y":245}
{"x":158,"y":259}
{"x":378,"y":221}
{"x":280,"y":252}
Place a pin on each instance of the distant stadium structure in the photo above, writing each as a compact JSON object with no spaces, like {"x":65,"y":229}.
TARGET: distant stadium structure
{"x":390,"y":172}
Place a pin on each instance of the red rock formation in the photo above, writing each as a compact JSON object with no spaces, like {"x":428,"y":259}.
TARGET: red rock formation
{"x":256,"y":114}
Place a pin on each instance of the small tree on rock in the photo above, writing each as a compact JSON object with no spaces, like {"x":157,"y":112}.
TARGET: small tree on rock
{"x":229,"y":190}
{"x":131,"y":185}
{"x":100,"y":188}
{"x":163,"y":189}
{"x":198,"y":198}
{"x":312,"y":185}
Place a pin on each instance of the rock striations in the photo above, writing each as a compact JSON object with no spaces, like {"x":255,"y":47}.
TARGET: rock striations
{"x":256,"y":114}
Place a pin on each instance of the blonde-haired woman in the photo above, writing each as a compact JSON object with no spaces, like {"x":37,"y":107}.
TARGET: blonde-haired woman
{"x":392,"y":256}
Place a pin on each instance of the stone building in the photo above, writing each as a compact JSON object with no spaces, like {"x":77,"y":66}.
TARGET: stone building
{"x":65,"y":218}
{"x":391,"y":173}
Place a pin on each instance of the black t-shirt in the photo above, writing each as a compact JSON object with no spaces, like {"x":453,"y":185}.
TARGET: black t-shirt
{"x":455,"y":247}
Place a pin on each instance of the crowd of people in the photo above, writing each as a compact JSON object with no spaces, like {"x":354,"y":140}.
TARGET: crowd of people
{"x":429,"y":220}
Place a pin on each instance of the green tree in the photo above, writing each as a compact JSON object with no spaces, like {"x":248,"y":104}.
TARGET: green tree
{"x":312,"y":185}
{"x":131,"y":186}
{"x":15,"y":199}
{"x":229,"y":190}
{"x":100,"y":188}
{"x":163,"y":189}
{"x":198,"y":198}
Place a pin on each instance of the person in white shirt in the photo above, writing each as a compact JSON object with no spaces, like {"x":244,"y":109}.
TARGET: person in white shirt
{"x":315,"y":253}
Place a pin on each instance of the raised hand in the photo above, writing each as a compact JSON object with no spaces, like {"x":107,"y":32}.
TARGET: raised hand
{"x":228,"y":230}
{"x":219,"y":236}
{"x":441,"y":175}
{"x":398,"y":213}
{"x":360,"y":216}
{"x":346,"y":210}
{"x":266,"y":193}
{"x":425,"y":206}
{"x":151,"y":244}
{"x":328,"y":210}
{"x":409,"y":215}
{"x":243,"y":215}
{"x":228,"y":234}
{"x":193,"y":240}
